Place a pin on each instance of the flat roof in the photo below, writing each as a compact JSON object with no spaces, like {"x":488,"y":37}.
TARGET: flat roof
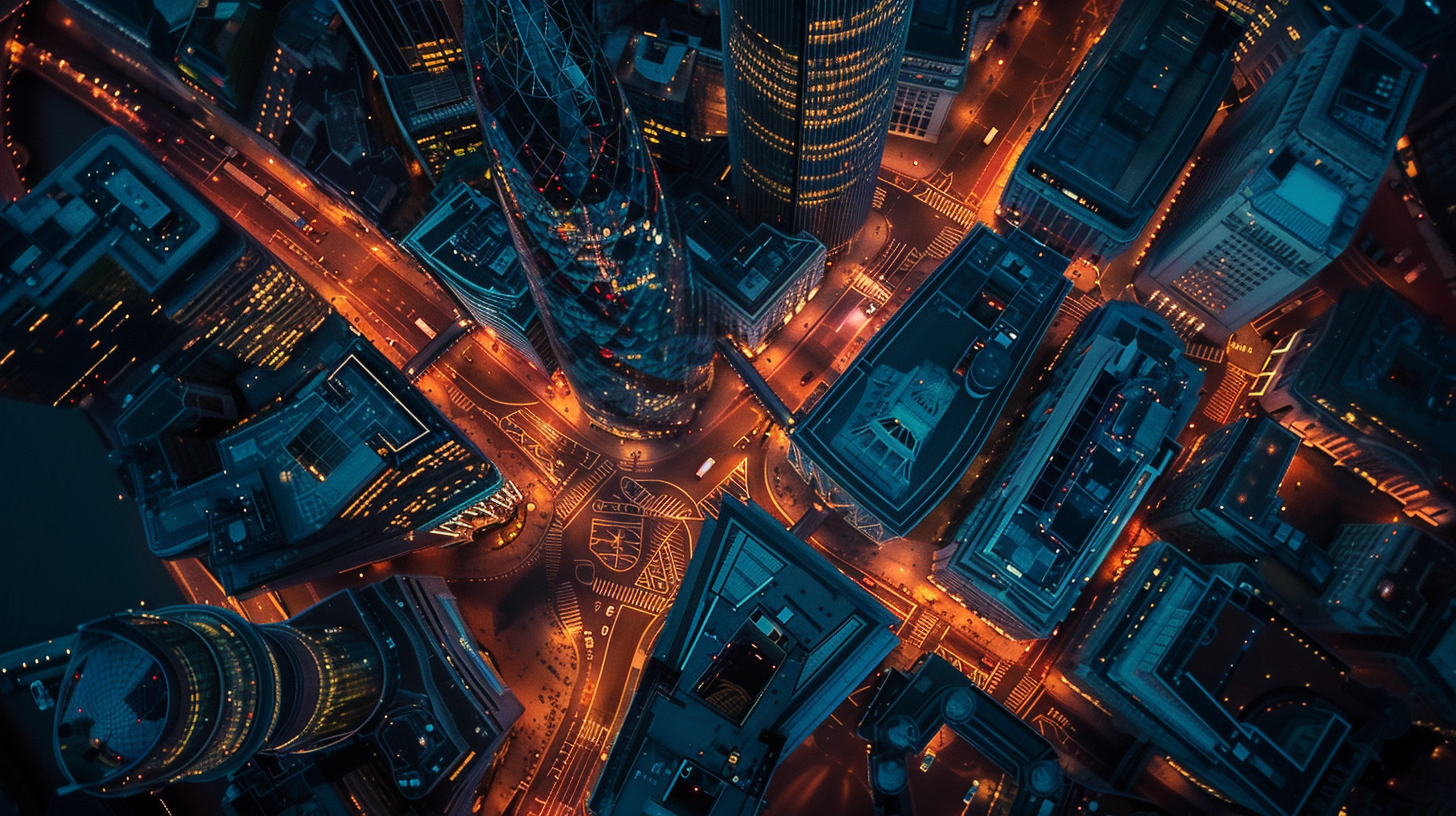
{"x":764,"y":639}
{"x":466,"y":237}
{"x":899,"y":428}
{"x":747,"y":266}
{"x":153,"y":226}
{"x":1134,"y":112}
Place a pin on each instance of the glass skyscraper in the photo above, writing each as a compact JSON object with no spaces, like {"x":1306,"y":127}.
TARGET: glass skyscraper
{"x":193,"y":692}
{"x":586,"y":212}
{"x":811,"y":84}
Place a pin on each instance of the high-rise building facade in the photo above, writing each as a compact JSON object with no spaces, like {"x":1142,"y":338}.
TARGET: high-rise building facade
{"x":810,"y":86}
{"x":277,"y":477}
{"x":764,"y":640}
{"x":1093,"y":174}
{"x":466,"y":242}
{"x":192,"y":693}
{"x":1370,"y":384}
{"x":109,"y":262}
{"x":1235,"y":693}
{"x":1280,"y":189}
{"x":421,"y":66}
{"x":1089,"y":451}
{"x":586,"y":211}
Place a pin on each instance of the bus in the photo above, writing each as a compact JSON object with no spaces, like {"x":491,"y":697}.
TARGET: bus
{"x":990,"y":136}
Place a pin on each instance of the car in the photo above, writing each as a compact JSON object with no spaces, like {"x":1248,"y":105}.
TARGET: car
{"x":971,"y":794}
{"x":927,"y":761}
{"x":867,"y":581}
{"x":41,"y":695}
{"x":808,"y":375}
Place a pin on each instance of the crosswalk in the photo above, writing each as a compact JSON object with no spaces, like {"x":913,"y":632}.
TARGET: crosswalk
{"x":630,"y":595}
{"x":664,"y":505}
{"x":567,"y":608}
{"x":552,"y":542}
{"x":946,"y":242}
{"x":1078,"y":306}
{"x":1226,"y":398}
{"x":1023,"y":692}
{"x":570,"y":501}
{"x":879,"y":201}
{"x":924,"y":624}
{"x":946,"y":205}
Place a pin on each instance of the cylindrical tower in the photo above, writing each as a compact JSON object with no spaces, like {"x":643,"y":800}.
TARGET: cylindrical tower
{"x":193,"y":692}
{"x":810,"y":85}
{"x":585,"y":209}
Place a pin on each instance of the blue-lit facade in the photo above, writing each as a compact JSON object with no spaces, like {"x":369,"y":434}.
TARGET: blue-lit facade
{"x":382,"y":684}
{"x":811,"y":84}
{"x":586,"y":211}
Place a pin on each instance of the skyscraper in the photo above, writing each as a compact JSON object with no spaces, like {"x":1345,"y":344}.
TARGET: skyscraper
{"x":810,"y":85}
{"x":413,"y":46}
{"x":586,"y":211}
{"x":278,"y":477}
{"x":764,"y":639}
{"x":1280,"y":189}
{"x":191,"y":693}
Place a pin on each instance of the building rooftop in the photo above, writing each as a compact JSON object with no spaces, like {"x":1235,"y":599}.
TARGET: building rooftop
{"x":1388,"y":576}
{"x":899,"y":428}
{"x":1381,"y":366}
{"x":763,"y":641}
{"x":109,"y":199}
{"x":658,"y":67}
{"x":1092,"y":444}
{"x":465,"y":238}
{"x":1257,"y":708}
{"x":1134,"y":112}
{"x":1234,"y":471}
{"x":748,"y":266}
{"x":346,"y":457}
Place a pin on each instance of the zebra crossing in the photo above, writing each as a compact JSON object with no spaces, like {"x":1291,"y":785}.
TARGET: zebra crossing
{"x":1077,"y":307}
{"x":568,"y":611}
{"x":879,"y":201}
{"x":925,"y":623}
{"x":630,"y":595}
{"x":947,"y":205}
{"x":946,"y":242}
{"x":657,"y":506}
{"x":552,"y":542}
{"x":570,"y":501}
{"x":1019,"y":696}
{"x":1227,"y":397}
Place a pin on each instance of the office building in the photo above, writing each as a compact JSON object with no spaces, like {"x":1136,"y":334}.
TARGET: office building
{"x":1237,"y":696}
{"x":1278,"y":31}
{"x":1224,"y":500}
{"x":413,"y":46}
{"x":764,"y":639}
{"x":1394,"y":593}
{"x":754,"y":281}
{"x":1097,"y":169}
{"x":586,"y":211}
{"x":387,"y":675}
{"x":910,"y":708}
{"x":656,"y":74}
{"x":221,"y":52}
{"x":466,"y":242}
{"x":810,"y":86}
{"x":1370,"y":383}
{"x":1386,"y":578}
{"x":943,"y":37}
{"x":1280,"y":188}
{"x":901,"y":425}
{"x":109,"y":262}
{"x":278,"y":477}
{"x":1092,"y":445}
